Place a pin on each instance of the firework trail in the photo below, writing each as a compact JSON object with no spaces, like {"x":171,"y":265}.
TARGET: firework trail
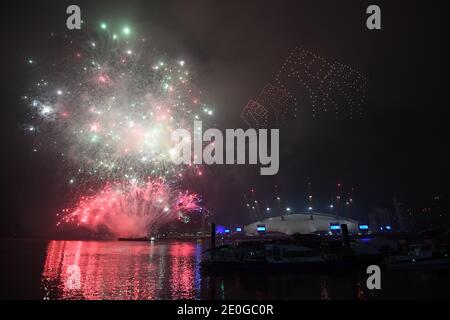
{"x":108,"y":108}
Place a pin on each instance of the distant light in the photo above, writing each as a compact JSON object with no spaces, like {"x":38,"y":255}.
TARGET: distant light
{"x":261,"y":228}
{"x":238,"y":229}
{"x":59,"y":92}
{"x":335,"y":226}
{"x":331,"y":206}
{"x":30,"y":61}
{"x":181,"y":63}
{"x":126,"y":30}
{"x":227,"y":231}
{"x":363,"y":227}
{"x":288,"y":209}
{"x":103,"y":26}
{"x":267,"y":209}
{"x":388,"y":227}
{"x":310,"y":208}
{"x":46,"y":110}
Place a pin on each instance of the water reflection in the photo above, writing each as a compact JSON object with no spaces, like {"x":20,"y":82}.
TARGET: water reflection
{"x":121,"y":270}
{"x":171,"y":270}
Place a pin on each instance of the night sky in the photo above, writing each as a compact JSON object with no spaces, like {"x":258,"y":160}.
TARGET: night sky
{"x":399,"y":147}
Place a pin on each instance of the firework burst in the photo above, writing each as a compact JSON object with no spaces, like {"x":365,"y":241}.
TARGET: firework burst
{"x":109,"y":108}
{"x":129,"y":209}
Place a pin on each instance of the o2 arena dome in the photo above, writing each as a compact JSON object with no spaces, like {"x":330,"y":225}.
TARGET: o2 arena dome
{"x":302,"y":223}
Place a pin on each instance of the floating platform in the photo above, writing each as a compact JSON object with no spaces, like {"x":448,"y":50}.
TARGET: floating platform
{"x":146,"y":239}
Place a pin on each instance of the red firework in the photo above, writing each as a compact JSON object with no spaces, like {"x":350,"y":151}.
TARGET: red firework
{"x":127,"y":209}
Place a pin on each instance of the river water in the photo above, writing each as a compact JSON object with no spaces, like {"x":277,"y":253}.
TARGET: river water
{"x":36,"y":269}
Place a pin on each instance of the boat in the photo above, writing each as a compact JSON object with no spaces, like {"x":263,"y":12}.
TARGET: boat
{"x":296,"y":257}
{"x":419,"y":256}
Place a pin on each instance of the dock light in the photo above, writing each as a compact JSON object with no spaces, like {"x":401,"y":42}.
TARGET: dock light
{"x":220,"y":229}
{"x":363,"y":227}
{"x":238,"y":229}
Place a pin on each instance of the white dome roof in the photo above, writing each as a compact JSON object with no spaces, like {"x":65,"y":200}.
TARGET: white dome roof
{"x":302,"y":223}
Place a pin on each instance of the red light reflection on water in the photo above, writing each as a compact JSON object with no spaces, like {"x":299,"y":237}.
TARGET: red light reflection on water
{"x":121,"y":270}
{"x":182,"y":270}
